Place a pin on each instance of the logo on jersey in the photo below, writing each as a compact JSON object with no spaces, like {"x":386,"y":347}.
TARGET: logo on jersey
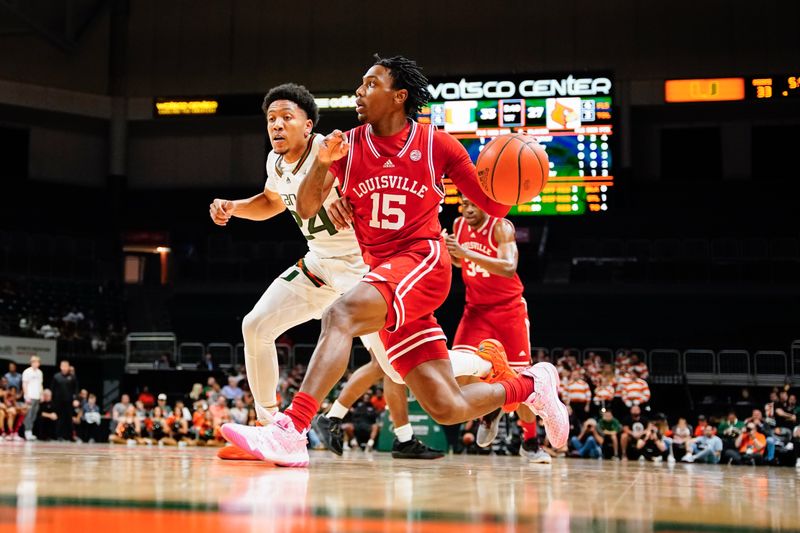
{"x":388,"y":164}
{"x":416,"y":155}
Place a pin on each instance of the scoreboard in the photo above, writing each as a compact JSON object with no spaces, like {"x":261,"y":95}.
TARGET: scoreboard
{"x":570,"y":115}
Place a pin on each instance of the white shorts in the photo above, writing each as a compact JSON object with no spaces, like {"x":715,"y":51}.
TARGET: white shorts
{"x":318,"y":282}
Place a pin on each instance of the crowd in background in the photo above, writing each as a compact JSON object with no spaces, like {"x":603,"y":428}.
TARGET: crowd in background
{"x":609,"y":406}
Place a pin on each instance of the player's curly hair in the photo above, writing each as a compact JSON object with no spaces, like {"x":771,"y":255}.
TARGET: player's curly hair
{"x":294,"y":93}
{"x":407,"y":75}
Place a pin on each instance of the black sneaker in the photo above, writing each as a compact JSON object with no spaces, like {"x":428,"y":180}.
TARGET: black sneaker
{"x":414,"y":449}
{"x":329,"y":431}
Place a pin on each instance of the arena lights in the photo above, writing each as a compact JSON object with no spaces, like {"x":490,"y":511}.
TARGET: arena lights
{"x":187,"y":107}
{"x":704,"y":90}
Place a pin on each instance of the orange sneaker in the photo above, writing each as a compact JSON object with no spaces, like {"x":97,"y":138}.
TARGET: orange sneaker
{"x":492,"y":351}
{"x":234,"y":453}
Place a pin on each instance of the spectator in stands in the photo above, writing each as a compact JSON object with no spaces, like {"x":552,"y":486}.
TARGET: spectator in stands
{"x":48,"y":331}
{"x":197,"y":392}
{"x":46,"y":425}
{"x":129,"y":429}
{"x":378,"y":401}
{"x":73,"y":316}
{"x":785,"y":416}
{"x":704,"y":449}
{"x":699,"y":429}
{"x":98,"y":343}
{"x":363,"y":427}
{"x":163,"y":362}
{"x":178,"y":425}
{"x":637,"y":391}
{"x":146,"y":397}
{"x":32,"y":385}
{"x":633,"y":428}
{"x":83,"y":397}
{"x":639,"y":367}
{"x":13,"y":377}
{"x":212,"y":390}
{"x":579,"y":395}
{"x":65,"y":388}
{"x":219,"y":411}
{"x":118,"y":411}
{"x":652,"y":445}
{"x":729,"y":429}
{"x":611,"y":429}
{"x":588,"y":443}
{"x":162,"y":403}
{"x":239,"y":412}
{"x":158,"y":429}
{"x":231,"y":391}
{"x":751,"y":447}
{"x":208,"y":362}
{"x":91,"y":418}
{"x":681,"y":438}
{"x":239,"y":374}
{"x":603,"y":393}
{"x":11,"y":414}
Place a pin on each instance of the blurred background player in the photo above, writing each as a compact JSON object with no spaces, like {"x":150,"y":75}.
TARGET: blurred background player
{"x":391,"y":170}
{"x":485,"y":248}
{"x":332,"y":265}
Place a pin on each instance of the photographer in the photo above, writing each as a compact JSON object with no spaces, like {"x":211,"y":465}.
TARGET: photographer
{"x":705,"y":449}
{"x":589,"y":442}
{"x":751,"y":445}
{"x":611,"y":430}
{"x":651,"y":445}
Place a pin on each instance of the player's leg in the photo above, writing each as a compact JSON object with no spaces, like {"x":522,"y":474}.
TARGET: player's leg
{"x":406,"y":445}
{"x":290,"y":300}
{"x":360,"y":311}
{"x":328,"y":427}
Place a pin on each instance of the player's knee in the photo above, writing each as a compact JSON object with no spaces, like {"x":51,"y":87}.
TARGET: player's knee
{"x":258,"y":324}
{"x":338,"y":316}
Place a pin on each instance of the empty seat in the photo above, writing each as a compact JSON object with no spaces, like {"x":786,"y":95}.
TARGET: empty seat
{"x":699,"y":366}
{"x":665,"y":362}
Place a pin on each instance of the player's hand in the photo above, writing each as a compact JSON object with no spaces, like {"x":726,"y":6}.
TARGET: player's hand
{"x":221,"y":211}
{"x":333,"y":147}
{"x":455,"y":249}
{"x":341,"y":213}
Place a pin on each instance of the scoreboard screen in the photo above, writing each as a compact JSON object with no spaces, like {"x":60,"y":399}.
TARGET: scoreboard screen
{"x":571,"y":117}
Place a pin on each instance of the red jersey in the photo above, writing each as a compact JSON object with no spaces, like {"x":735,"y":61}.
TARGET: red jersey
{"x":484,"y":288}
{"x":394,"y":184}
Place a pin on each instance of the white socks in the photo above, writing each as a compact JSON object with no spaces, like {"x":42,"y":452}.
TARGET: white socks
{"x":469,"y":364}
{"x":404,"y":433}
{"x":337,"y":410}
{"x":264,"y":414}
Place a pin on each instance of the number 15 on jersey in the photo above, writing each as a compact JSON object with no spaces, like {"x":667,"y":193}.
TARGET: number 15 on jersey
{"x":385,"y":211}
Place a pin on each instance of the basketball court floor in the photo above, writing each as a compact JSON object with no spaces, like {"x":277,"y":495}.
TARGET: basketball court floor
{"x":102,"y":488}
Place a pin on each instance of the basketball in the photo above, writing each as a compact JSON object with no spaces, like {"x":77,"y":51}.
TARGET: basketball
{"x":468,"y":439}
{"x":512,"y":169}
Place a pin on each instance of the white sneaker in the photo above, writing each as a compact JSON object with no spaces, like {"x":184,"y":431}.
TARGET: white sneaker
{"x":278,"y":443}
{"x":671,"y":460}
{"x":539,"y":457}
{"x":30,"y":436}
{"x":370,"y":445}
{"x":545,"y":402}
{"x":488,"y":426}
{"x":130,"y":442}
{"x":688,"y":458}
{"x":182,"y":444}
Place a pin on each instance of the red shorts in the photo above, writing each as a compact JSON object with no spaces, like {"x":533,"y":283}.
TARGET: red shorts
{"x":507,"y":323}
{"x":414,"y":283}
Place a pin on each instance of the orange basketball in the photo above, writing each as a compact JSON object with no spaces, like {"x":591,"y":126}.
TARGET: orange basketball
{"x":513,"y":169}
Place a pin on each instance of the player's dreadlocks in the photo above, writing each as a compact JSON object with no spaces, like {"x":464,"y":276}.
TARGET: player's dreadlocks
{"x":407,"y":75}
{"x":294,"y":93}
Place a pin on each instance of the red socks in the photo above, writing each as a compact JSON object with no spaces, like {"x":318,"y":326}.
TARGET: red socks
{"x":303,"y":408}
{"x":517,"y":389}
{"x":528,"y":430}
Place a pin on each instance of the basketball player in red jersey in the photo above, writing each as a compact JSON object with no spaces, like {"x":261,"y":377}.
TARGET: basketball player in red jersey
{"x":390,"y":168}
{"x":485,"y":248}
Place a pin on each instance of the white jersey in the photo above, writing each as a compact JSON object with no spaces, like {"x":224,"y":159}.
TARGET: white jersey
{"x":285,"y":178}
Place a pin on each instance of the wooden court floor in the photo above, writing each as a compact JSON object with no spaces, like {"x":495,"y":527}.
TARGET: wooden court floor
{"x":97,"y":488}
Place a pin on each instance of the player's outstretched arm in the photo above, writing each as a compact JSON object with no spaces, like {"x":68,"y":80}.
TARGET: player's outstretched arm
{"x":317,"y":184}
{"x":259,"y":207}
{"x":505,"y":264}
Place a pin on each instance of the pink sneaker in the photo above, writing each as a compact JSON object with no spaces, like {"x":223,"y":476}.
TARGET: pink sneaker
{"x":545,"y":403}
{"x":278,"y":443}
